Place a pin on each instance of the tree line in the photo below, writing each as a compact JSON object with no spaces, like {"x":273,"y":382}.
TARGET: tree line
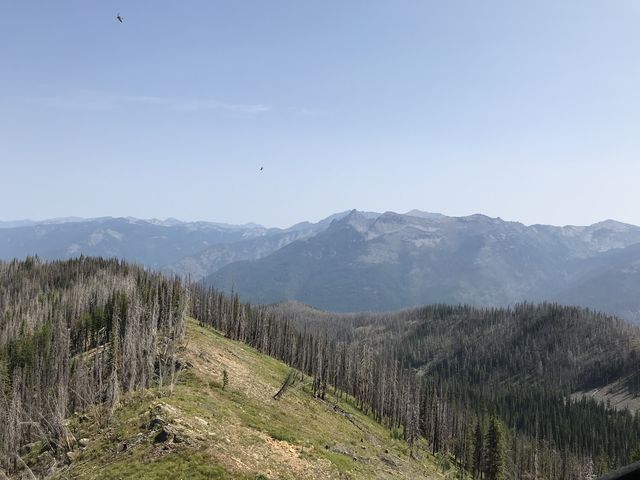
{"x":75,"y":335}
{"x":532,"y":429}
{"x":489,"y":389}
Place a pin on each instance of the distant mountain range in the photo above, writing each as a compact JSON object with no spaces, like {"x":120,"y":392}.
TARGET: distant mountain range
{"x":354,"y":261}
{"x":394,"y":261}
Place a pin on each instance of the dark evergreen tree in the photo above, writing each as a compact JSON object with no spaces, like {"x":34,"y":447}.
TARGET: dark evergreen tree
{"x":495,"y":450}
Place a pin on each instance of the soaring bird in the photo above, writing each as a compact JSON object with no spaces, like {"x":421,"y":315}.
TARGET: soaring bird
{"x":261,"y":168}
{"x":119,"y":18}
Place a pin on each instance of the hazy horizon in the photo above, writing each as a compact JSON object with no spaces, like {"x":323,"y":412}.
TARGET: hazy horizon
{"x":311,"y":220}
{"x":525,"y":111}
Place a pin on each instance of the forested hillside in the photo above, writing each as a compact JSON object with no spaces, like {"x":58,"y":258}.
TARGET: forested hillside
{"x":523,"y":364}
{"x":545,"y":344}
{"x":99,"y":381}
{"x":76,"y":335}
{"x":488,"y":392}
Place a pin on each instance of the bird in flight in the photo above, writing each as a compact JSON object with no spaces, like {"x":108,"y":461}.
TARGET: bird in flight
{"x":119,"y":18}
{"x":261,"y":168}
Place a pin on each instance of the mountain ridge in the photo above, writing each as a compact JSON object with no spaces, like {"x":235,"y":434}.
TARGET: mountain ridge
{"x":355,"y":260}
{"x":396,"y":261}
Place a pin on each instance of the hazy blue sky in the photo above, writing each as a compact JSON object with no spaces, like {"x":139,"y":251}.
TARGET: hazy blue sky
{"x":528,"y":110}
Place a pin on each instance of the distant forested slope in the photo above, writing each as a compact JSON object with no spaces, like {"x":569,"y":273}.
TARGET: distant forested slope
{"x":523,"y":364}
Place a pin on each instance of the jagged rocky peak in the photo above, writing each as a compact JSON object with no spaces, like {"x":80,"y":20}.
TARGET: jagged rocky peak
{"x":392,"y":222}
{"x":359,"y":221}
{"x":427,"y":215}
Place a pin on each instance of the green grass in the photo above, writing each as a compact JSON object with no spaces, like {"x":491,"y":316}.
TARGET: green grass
{"x":174,"y":465}
{"x":342,"y":462}
{"x":239,"y":432}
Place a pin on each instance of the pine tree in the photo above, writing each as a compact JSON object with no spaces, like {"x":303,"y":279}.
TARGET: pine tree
{"x":469,"y":450}
{"x":478,"y":450}
{"x":495,"y":450}
{"x":602,"y":463}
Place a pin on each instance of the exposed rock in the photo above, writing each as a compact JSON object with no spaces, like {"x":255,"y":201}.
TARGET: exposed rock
{"x":389,"y":460}
{"x":166,"y":435}
{"x":155,"y":423}
{"x":162,"y":436}
{"x":72,"y":456}
{"x":342,"y":450}
{"x":83,"y":442}
{"x":202,"y":421}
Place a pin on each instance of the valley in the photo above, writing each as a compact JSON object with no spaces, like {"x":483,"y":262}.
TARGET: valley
{"x":330,"y":240}
{"x":366,"y":261}
{"x":108,"y":370}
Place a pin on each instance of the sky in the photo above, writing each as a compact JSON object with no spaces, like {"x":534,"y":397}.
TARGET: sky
{"x":526,"y":110}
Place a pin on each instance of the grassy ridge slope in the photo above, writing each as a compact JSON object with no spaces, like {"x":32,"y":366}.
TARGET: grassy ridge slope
{"x":205,"y":431}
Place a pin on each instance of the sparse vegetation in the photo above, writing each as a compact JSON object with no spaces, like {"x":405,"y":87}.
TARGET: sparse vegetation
{"x":381,"y":396}
{"x":240,"y":432}
{"x":76,"y":336}
{"x":522,"y":363}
